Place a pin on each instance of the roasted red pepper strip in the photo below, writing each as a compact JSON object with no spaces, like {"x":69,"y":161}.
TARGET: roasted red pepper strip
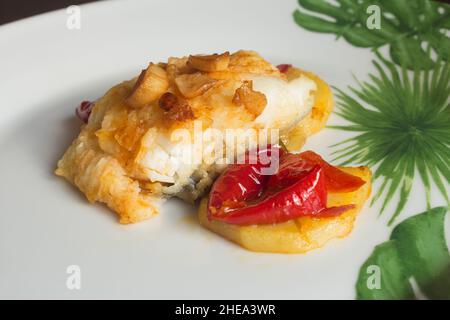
{"x":241,"y":182}
{"x":283,"y":68}
{"x":306,"y":197}
{"x":242,"y":195}
{"x":337,"y":180}
{"x":83,"y":111}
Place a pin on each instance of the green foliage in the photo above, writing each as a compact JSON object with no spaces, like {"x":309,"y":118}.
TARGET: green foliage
{"x":404,"y":124}
{"x":393,"y":284}
{"x":416,"y":249}
{"x":407,"y":26}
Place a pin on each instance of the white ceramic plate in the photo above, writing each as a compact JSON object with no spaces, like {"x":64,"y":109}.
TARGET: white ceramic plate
{"x":46,"y":225}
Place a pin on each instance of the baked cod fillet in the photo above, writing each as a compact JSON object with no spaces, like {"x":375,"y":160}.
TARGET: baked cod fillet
{"x":130,"y":156}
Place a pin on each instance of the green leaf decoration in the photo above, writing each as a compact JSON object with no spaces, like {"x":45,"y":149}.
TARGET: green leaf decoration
{"x":416,"y":250}
{"x":408,"y":27}
{"x":393,"y":282}
{"x":403,"y":121}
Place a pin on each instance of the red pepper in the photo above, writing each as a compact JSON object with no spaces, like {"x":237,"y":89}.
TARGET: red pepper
{"x":294,"y":166}
{"x":83,"y":111}
{"x":242,"y":195}
{"x":283,"y":68}
{"x":241,"y":181}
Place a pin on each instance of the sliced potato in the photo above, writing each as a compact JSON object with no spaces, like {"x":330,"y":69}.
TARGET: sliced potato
{"x":323,"y":101}
{"x":317,"y":118}
{"x":299,"y":235}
